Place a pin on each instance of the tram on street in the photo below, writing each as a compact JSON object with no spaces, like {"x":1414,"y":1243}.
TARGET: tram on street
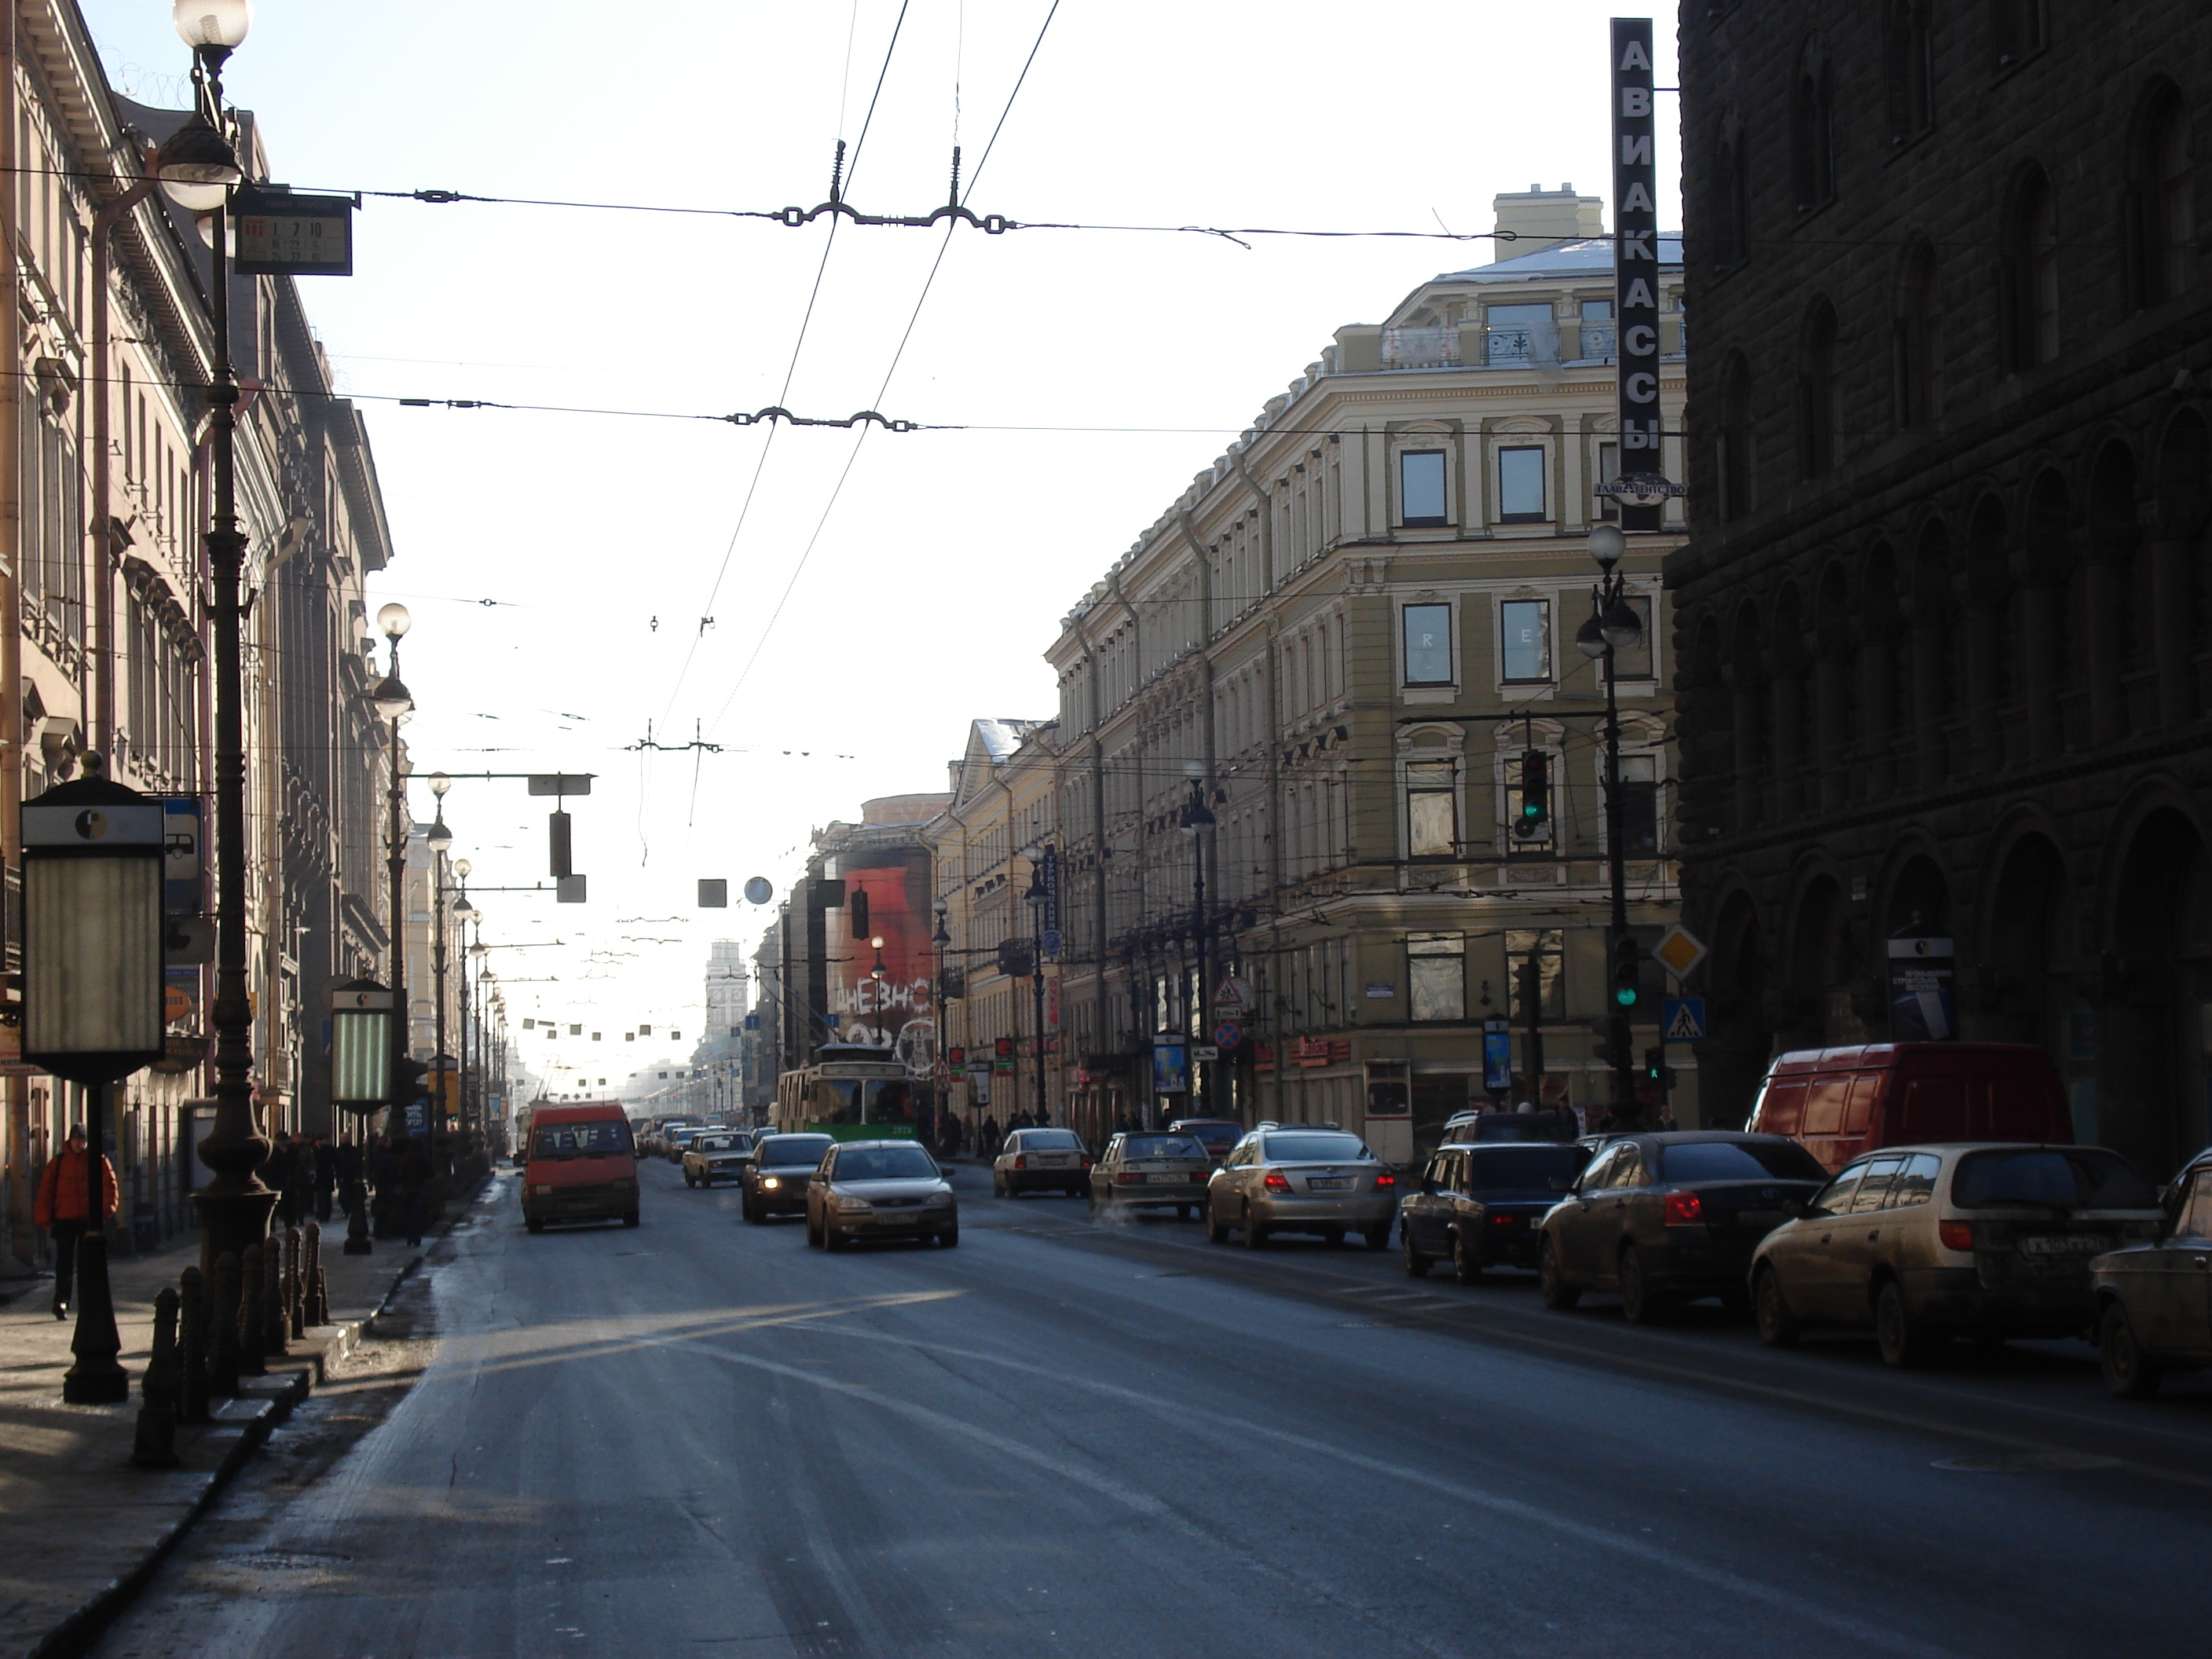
{"x":853,"y":1091}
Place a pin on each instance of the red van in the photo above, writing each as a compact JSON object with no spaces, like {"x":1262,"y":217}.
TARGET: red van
{"x":582,"y":1166}
{"x":1842,"y":1101}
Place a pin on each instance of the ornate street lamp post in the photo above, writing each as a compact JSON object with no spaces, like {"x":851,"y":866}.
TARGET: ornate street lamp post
{"x":361,"y":1018}
{"x":437,"y":838}
{"x":1197,"y":821}
{"x":391,"y":700}
{"x":1614,"y":626}
{"x":197,"y":166}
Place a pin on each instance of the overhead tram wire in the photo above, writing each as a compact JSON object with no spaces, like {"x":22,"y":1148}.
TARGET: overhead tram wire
{"x":920,"y":300}
{"x":840,"y":178}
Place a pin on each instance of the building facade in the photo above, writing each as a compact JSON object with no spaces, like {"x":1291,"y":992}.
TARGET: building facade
{"x":104,"y":632}
{"x":1337,"y":646}
{"x":1943,"y":635}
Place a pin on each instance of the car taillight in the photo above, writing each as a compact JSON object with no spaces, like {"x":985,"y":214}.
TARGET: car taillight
{"x":1501,"y":1221}
{"x":1086,"y":1163}
{"x":1128,"y":1178}
{"x":1386,"y":1179}
{"x":1684,"y":1210}
{"x":1955,"y":1235}
{"x":1021,"y":1161}
{"x":1276,"y":1182}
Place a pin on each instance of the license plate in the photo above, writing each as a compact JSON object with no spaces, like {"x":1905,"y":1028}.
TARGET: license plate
{"x":1326,"y":1184}
{"x":1170,"y":1180}
{"x":2065,"y":1245}
{"x":1760,"y":1217}
{"x":1054,"y":1160}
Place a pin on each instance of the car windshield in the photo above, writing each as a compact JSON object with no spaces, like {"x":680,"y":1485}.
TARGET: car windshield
{"x":714,"y":1143}
{"x":1513,"y":1125}
{"x":885,"y":1164}
{"x":600,"y":1137}
{"x":2085,"y":1176}
{"x":1051,"y":1140}
{"x":1210,"y":1135}
{"x":781,"y":1151}
{"x":1738,"y":1160}
{"x":1314,"y":1149}
{"x":1162,"y":1147}
{"x":1527,"y":1169}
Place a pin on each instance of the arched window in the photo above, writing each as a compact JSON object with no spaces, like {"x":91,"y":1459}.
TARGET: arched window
{"x":1818,"y":395}
{"x":2029,"y":279}
{"x":1912,"y":337}
{"x":2162,"y":203}
{"x":1812,"y":136}
{"x":1730,"y":205}
{"x":1735,"y":440}
{"x":1912,"y":71}
{"x":2017,"y":28}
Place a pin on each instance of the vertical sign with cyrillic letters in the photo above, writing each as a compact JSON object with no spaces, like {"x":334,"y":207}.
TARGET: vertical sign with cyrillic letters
{"x":1635,"y":262}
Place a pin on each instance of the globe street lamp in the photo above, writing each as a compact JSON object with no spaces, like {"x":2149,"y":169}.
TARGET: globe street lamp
{"x":1197,"y":821}
{"x":437,"y":838}
{"x":197,"y":166}
{"x":1614,"y":626}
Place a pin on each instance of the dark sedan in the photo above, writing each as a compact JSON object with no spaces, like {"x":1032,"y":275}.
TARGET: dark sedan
{"x":1667,"y":1219}
{"x":1479,"y":1205}
{"x":775,"y":1177}
{"x":2154,"y":1300}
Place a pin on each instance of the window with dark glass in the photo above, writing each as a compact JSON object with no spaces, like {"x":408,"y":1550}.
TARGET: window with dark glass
{"x":1633,"y":662}
{"x":1525,"y":640}
{"x":1521,"y":485}
{"x":1421,"y":489}
{"x":1608,"y":469}
{"x":1639,"y":805}
{"x":1428,"y":644}
{"x":1535,"y":959}
{"x":1913,"y":338}
{"x":1813,"y":138}
{"x":1911,"y":69}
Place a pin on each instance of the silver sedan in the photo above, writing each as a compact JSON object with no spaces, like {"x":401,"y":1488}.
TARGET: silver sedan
{"x":1151,"y":1171}
{"x":879,"y":1189}
{"x":1299,"y":1180}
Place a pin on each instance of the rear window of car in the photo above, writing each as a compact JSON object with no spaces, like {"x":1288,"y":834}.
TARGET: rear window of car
{"x":1500,"y":1168}
{"x":1050,"y":1140}
{"x":1162,"y":1147}
{"x":779,"y":1150}
{"x":1314,"y":1149}
{"x":1738,"y":1160}
{"x":2086,"y":1178}
{"x":885,"y":1164}
{"x":1211,"y":1135}
{"x":714,"y":1143}
{"x":598,"y":1138}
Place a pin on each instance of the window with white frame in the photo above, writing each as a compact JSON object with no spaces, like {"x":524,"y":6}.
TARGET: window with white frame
{"x":1436,"y":976}
{"x":1521,"y":485}
{"x":1524,"y":642}
{"x":1427,"y":636}
{"x":1432,"y":810}
{"x":1421,"y":499}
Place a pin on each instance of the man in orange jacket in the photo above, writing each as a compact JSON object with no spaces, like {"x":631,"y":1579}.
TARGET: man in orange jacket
{"x":60,"y":1207}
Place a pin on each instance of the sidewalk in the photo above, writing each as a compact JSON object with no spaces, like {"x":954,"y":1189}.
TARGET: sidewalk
{"x":81,"y":1528}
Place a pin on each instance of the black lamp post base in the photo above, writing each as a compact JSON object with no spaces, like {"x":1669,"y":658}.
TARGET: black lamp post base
{"x":97,"y":1378}
{"x":231,"y":1222}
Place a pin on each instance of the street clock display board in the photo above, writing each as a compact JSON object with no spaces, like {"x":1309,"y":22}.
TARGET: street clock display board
{"x":281,"y":235}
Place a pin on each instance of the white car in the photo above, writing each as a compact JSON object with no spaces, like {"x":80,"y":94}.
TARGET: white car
{"x":1041,"y":1160}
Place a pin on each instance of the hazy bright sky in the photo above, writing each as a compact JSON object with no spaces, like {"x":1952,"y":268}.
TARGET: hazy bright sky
{"x":928,"y":593}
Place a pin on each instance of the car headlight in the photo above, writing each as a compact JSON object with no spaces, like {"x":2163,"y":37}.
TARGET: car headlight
{"x":849,"y":1205}
{"x":770,"y":1183}
{"x":938,"y":1198}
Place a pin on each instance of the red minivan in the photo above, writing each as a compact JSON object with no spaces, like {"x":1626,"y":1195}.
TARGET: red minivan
{"x":582,"y":1166}
{"x":1842,"y":1101}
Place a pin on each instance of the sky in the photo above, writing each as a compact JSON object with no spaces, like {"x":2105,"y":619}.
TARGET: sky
{"x":869,"y":592}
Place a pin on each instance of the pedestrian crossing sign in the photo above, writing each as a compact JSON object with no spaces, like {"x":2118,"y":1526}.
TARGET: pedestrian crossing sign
{"x":1683,"y":1019}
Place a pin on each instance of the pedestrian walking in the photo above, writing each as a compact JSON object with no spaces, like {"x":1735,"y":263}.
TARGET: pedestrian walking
{"x":990,"y":1138}
{"x":61,"y":1207}
{"x":278,"y":1174}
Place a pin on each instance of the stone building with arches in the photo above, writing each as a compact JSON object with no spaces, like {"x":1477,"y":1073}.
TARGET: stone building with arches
{"x":1944,"y":630}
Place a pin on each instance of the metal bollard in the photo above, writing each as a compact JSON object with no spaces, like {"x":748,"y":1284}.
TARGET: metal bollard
{"x":310,"y":1269}
{"x":192,"y":1349}
{"x":357,"y":1240}
{"x":273,"y":1323}
{"x":295,"y":1284}
{"x":224,"y":1360}
{"x":155,"y":1445}
{"x":252,"y":1317}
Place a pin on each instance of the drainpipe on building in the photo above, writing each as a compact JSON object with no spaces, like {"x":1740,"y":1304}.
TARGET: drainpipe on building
{"x":15,"y":1148}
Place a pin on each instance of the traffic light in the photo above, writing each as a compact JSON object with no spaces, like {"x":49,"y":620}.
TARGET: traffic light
{"x":1535,"y":793}
{"x":1628,"y":972}
{"x":1655,"y":1065}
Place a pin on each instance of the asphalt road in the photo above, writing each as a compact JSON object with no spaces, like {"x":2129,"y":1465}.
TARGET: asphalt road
{"x":1061,"y":1438}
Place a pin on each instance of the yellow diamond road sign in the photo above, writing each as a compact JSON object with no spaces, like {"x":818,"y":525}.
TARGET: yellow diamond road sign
{"x":1680,"y":951}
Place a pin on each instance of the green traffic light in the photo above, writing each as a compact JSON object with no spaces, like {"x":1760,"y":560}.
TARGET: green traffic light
{"x":1625,"y":996}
